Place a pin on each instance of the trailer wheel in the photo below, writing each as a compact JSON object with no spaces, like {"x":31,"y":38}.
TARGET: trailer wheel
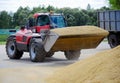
{"x":72,"y":54}
{"x":113,"y":40}
{"x":36,"y":49}
{"x":11,"y":49}
{"x":49,"y":54}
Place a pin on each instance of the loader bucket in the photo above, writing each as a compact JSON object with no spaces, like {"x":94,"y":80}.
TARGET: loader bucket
{"x":74,"y":38}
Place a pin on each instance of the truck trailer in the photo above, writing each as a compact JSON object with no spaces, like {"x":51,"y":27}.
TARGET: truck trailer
{"x":110,"y":21}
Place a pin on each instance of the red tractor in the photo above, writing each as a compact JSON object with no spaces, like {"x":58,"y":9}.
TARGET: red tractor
{"x":27,"y":38}
{"x":41,"y":39}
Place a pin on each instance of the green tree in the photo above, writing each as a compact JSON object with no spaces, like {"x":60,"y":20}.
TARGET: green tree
{"x":74,"y":16}
{"x":77,"y":17}
{"x":91,"y":17}
{"x":36,"y":9}
{"x":50,"y":8}
{"x":115,"y":4}
{"x":104,"y":8}
{"x":69,"y":15}
{"x":5,"y":19}
{"x":21,"y":16}
{"x":40,"y":9}
{"x":88,"y":7}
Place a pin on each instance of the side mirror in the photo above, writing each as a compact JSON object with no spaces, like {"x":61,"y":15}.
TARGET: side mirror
{"x":31,"y":22}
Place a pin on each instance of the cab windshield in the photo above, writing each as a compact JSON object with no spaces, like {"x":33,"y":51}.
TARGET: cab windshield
{"x":58,"y":20}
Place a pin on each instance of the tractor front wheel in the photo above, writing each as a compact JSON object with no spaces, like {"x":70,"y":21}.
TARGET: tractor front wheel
{"x":36,"y":49}
{"x":72,"y":54}
{"x":49,"y":54}
{"x":11,"y":49}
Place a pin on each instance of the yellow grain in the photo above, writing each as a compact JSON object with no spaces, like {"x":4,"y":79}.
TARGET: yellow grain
{"x":103,"y":67}
{"x":80,"y":30}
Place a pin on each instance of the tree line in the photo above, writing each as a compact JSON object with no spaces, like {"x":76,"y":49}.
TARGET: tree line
{"x":74,"y":16}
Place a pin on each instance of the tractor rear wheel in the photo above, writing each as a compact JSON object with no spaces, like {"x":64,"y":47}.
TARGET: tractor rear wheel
{"x":11,"y":49}
{"x":113,"y":40}
{"x":72,"y":54}
{"x":36,"y":49}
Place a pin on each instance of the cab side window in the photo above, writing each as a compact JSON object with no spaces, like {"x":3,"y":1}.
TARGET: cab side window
{"x":43,"y":20}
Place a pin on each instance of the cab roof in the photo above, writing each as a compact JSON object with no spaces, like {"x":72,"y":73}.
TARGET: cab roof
{"x":38,"y":14}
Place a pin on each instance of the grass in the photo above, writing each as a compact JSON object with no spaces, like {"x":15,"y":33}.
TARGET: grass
{"x":2,"y":43}
{"x":3,"y":39}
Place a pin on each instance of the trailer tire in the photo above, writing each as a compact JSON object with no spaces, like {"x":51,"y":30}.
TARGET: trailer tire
{"x":11,"y":49}
{"x":37,"y":52}
{"x":72,"y":54}
{"x":113,"y":40}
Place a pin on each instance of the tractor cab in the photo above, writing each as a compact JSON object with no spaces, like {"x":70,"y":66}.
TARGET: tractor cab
{"x":47,"y":21}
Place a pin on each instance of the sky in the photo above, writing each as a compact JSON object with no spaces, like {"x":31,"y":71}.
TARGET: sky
{"x":13,"y":5}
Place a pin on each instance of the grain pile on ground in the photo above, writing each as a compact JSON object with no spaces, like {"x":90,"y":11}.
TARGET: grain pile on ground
{"x":80,"y":30}
{"x":104,"y":67}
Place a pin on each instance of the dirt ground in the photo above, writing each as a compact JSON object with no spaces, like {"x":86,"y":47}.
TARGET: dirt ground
{"x":25,"y":74}
{"x":25,"y":71}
